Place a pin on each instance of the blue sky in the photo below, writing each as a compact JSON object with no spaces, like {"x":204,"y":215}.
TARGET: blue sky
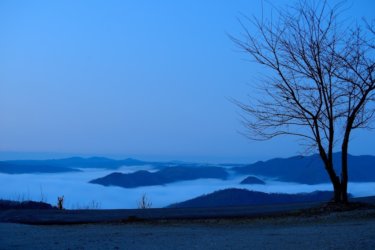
{"x":146,"y":79}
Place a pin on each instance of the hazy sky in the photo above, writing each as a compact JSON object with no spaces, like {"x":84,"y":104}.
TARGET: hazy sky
{"x":147,"y":79}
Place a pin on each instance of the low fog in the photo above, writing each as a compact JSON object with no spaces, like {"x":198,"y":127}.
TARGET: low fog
{"x":79,"y":194}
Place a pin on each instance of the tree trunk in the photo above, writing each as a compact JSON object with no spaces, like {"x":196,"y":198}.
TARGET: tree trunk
{"x":344,"y":170}
{"x":340,"y":186}
{"x":335,"y":180}
{"x":337,"y":187}
{"x":337,"y":192}
{"x":344,"y":160}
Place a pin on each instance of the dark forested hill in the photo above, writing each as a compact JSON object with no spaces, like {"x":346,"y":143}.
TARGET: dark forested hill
{"x":310,"y":169}
{"x":163,"y":176}
{"x":243,"y":197}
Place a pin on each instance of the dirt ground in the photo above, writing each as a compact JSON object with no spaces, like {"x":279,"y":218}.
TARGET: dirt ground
{"x":348,"y":230}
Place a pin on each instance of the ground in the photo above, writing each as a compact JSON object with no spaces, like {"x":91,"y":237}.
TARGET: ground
{"x":345,"y":230}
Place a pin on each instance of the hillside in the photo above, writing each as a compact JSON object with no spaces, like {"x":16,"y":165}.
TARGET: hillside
{"x":310,"y":169}
{"x":243,"y":197}
{"x":161,"y":177}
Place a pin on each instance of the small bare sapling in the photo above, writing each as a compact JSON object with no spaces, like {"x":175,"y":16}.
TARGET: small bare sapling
{"x":144,"y":202}
{"x":60,"y":202}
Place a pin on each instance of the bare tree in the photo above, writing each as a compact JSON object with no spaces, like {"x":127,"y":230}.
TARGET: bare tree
{"x":320,"y":84}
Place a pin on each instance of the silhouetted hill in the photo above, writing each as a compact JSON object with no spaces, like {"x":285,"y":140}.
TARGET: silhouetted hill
{"x":252,"y":180}
{"x":242,"y":197}
{"x":163,"y":176}
{"x":7,"y":204}
{"x":310,"y":169}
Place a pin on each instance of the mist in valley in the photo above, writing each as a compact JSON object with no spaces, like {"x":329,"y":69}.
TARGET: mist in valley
{"x":80,"y":194}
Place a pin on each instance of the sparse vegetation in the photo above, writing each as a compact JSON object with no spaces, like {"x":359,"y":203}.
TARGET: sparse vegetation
{"x":144,"y":202}
{"x":22,"y":197}
{"x":43,"y":197}
{"x":93,"y":204}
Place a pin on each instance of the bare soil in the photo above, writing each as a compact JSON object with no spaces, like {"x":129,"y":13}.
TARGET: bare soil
{"x":353,"y":229}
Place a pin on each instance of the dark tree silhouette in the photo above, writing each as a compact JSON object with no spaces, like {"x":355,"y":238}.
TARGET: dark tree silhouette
{"x":320,"y":84}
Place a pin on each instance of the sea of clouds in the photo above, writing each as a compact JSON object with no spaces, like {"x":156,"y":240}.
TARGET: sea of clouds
{"x":80,"y":194}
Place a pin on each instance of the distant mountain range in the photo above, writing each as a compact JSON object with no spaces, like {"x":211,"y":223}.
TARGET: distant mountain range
{"x":15,"y":167}
{"x":75,"y":163}
{"x":64,"y":165}
{"x":242,"y":197}
{"x":310,"y":169}
{"x":307,"y":170}
{"x":161,"y":177}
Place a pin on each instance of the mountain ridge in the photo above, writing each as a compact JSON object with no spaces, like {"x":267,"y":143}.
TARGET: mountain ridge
{"x":299,"y":169}
{"x":164,"y":176}
{"x":234,"y":197}
{"x":310,"y":169}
